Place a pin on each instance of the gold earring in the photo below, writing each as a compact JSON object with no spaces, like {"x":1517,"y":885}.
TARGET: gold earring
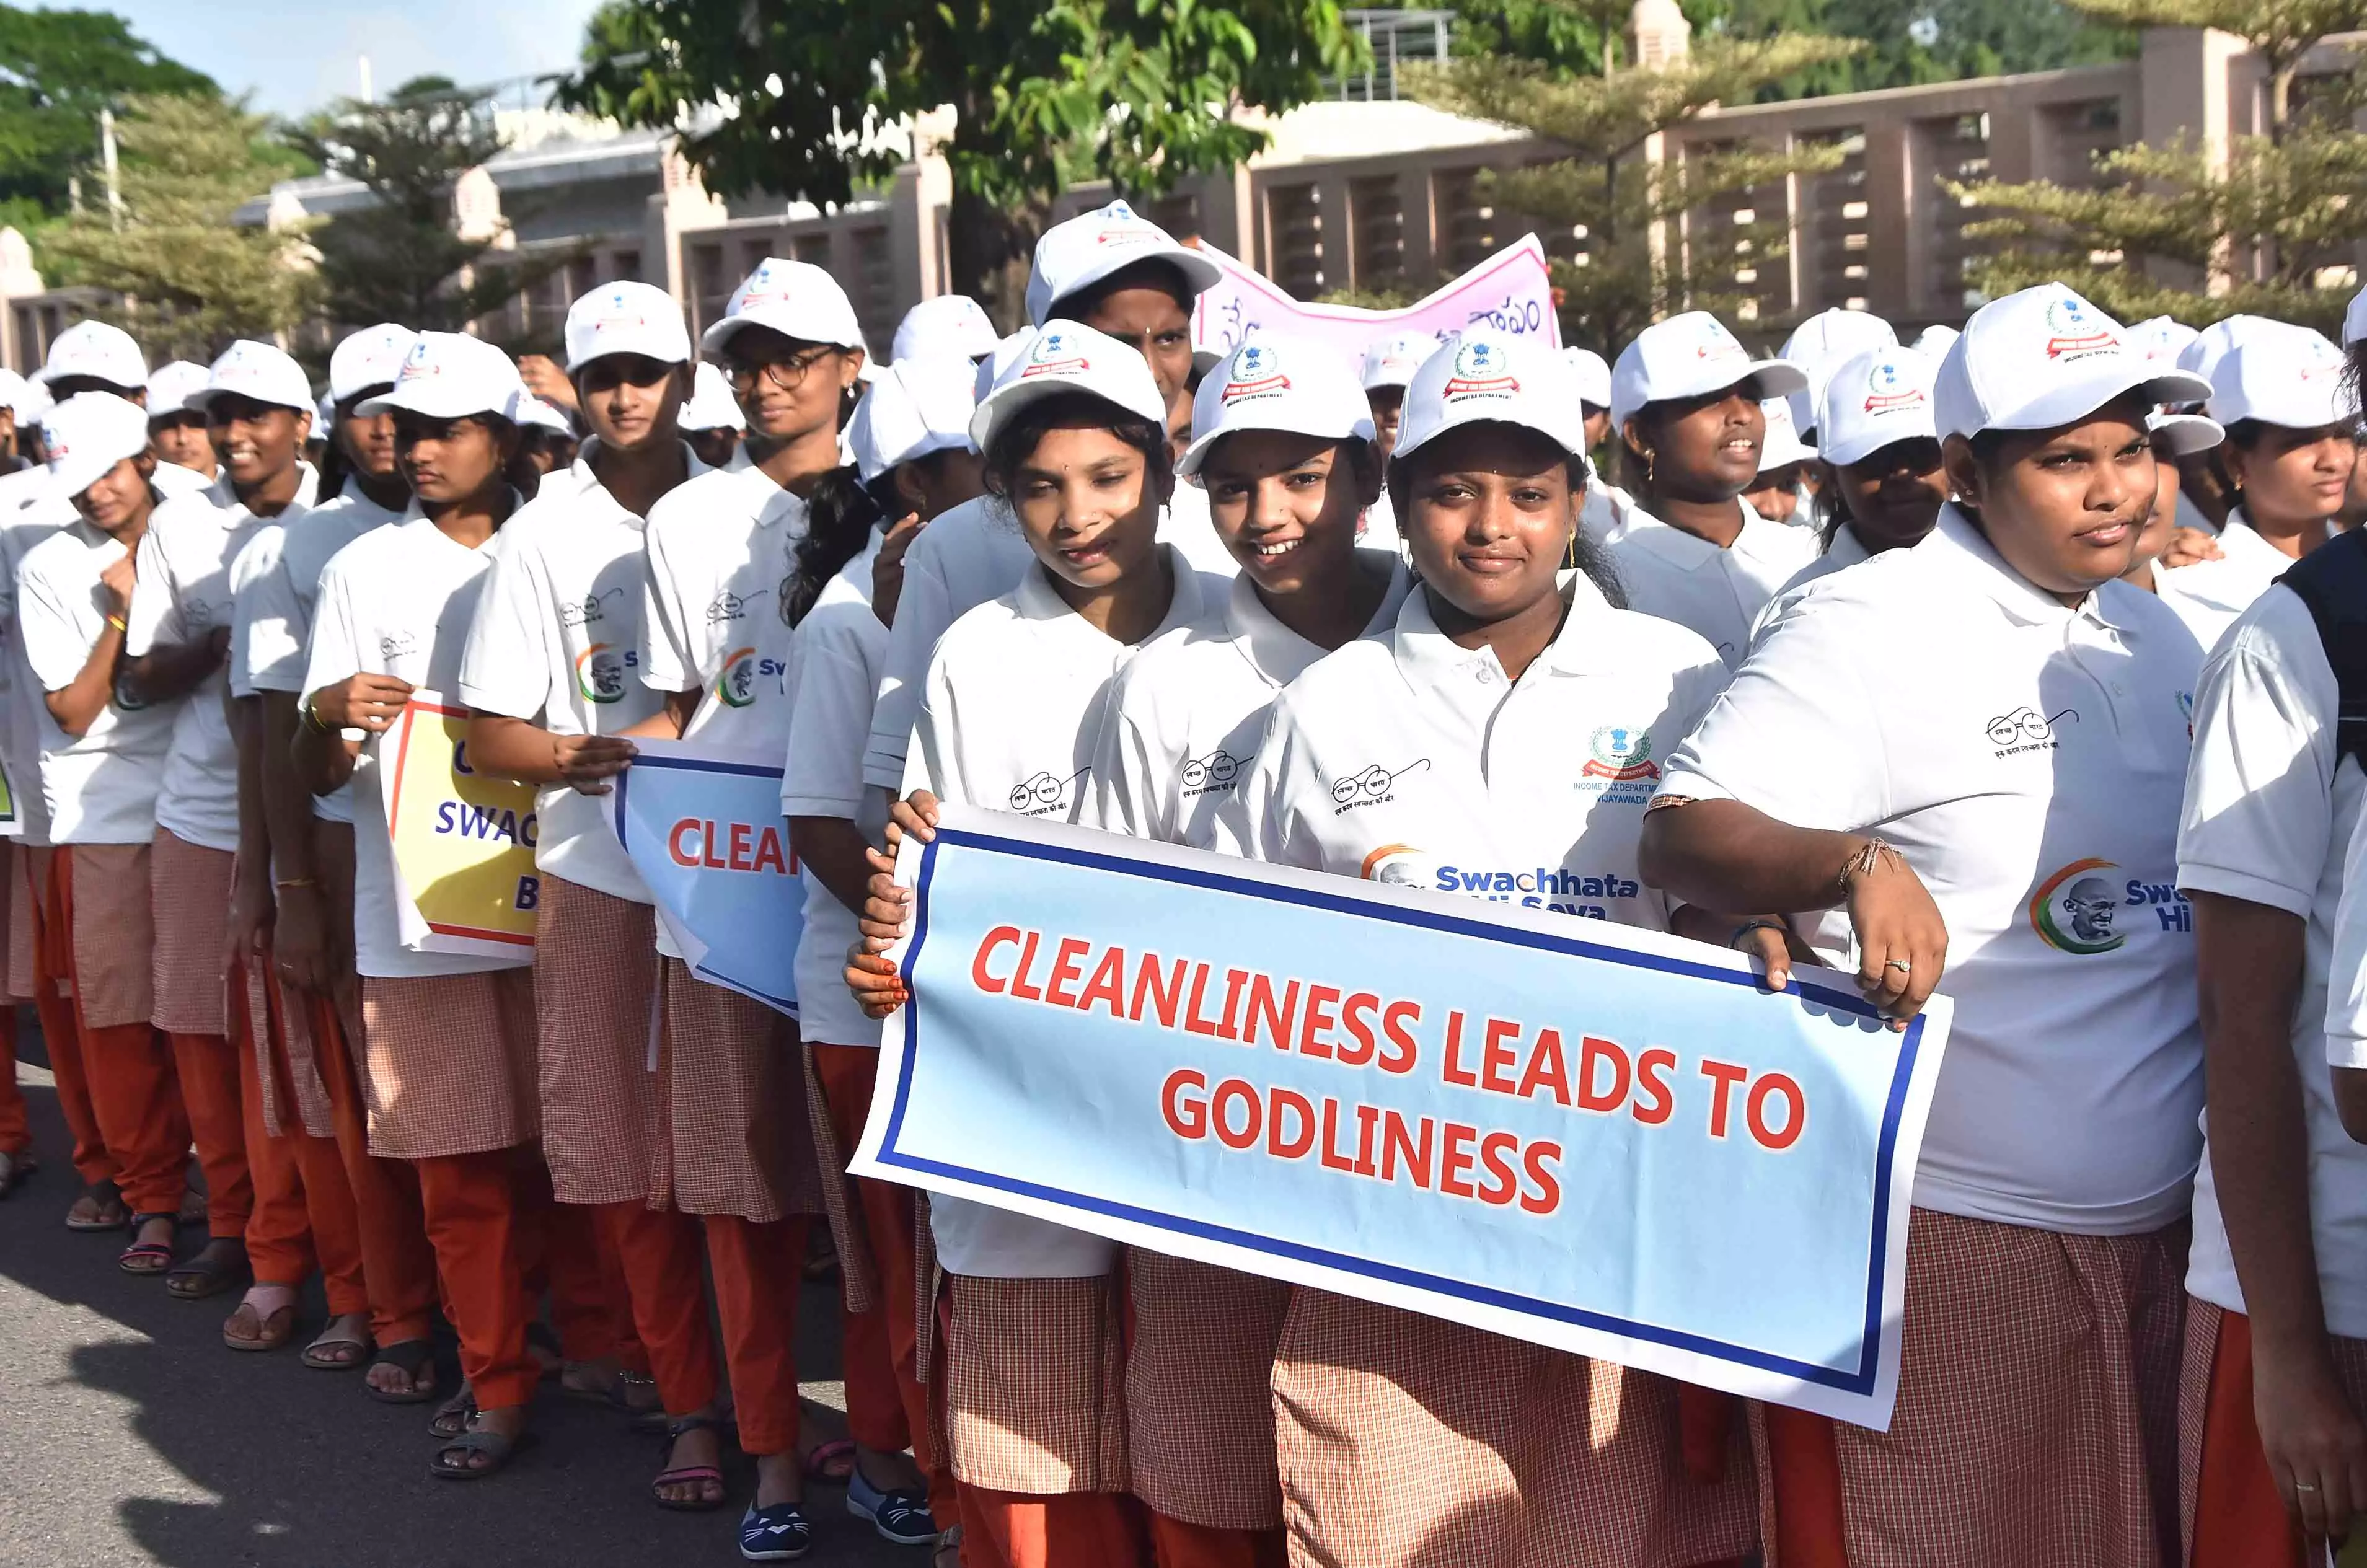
{"x":1650,"y":458}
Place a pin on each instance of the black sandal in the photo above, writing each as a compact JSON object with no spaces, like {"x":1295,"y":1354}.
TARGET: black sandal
{"x":416,"y":1359}
{"x":499,"y":1450}
{"x":147,"y":1257}
{"x":206,"y":1274}
{"x":17,"y":1167}
{"x":452,"y":1417}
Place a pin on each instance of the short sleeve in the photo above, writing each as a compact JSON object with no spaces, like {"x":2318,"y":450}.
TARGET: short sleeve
{"x":669,"y":661}
{"x":2346,"y":991}
{"x":1263,"y":822}
{"x":154,"y":616}
{"x":506,"y":666}
{"x":924,"y":613}
{"x":336,"y":638}
{"x":256,"y":561}
{"x":1126,"y":796}
{"x":1797,"y":697}
{"x":2258,"y":819}
{"x":55,"y":645}
{"x":275,"y":631}
{"x":934,"y":762}
{"x":830,"y":716}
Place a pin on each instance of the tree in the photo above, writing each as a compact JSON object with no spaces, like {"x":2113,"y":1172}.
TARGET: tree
{"x":815,"y":96}
{"x":58,"y":68}
{"x":403,"y":258}
{"x":2258,"y":224}
{"x":1914,"y":41}
{"x":1626,"y":207}
{"x":190,"y":278}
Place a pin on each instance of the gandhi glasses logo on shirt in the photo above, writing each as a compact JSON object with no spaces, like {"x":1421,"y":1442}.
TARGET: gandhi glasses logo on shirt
{"x":725,"y":607}
{"x":1205,"y":775}
{"x":587,"y":610}
{"x":1257,"y":373}
{"x":1372,"y":786}
{"x":2027,"y":729}
{"x":1042,"y":795}
{"x":1480,"y":371}
{"x":2073,"y":333}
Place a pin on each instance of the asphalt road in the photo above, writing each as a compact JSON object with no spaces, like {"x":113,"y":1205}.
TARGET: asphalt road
{"x":128,"y":1435}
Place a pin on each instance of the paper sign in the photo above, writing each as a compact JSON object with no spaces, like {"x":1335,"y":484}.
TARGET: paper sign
{"x":705,"y":830}
{"x":463,"y":841}
{"x":12,"y":821}
{"x":1603,"y":1139}
{"x":1510,"y":291}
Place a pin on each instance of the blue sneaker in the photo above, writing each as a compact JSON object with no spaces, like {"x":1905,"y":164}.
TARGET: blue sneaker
{"x":901,"y":1517}
{"x":777,"y":1534}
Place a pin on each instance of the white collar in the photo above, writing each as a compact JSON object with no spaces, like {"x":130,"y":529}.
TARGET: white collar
{"x":1280,"y":655}
{"x":1036,"y":600}
{"x":1963,"y":555}
{"x":1690,"y":552}
{"x":1428,"y":658}
{"x":2239,"y":541}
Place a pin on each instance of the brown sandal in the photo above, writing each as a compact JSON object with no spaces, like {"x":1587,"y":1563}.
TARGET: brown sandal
{"x":276,"y":1328}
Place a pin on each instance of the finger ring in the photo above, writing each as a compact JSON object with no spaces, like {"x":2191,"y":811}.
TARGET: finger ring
{"x":1901,"y":965}
{"x":2304,"y":1486}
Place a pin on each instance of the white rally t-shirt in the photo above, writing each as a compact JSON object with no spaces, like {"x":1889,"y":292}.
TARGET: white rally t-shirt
{"x":558,"y":643}
{"x":278,"y":593}
{"x":1716,"y":592}
{"x":2028,"y":760}
{"x":98,"y":787}
{"x":1605,"y":511}
{"x":2209,"y":595}
{"x":1409,"y":759}
{"x":1029,"y":678}
{"x":2269,"y":814}
{"x":835,"y":661}
{"x":397,"y":602}
{"x":191,"y":568}
{"x":1187,"y":717}
{"x":969,"y":555}
{"x":21,"y":527}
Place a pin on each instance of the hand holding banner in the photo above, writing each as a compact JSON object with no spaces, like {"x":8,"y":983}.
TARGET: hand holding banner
{"x":703,"y":829}
{"x":463,"y":841}
{"x":1510,"y":291}
{"x":1595,"y":1137}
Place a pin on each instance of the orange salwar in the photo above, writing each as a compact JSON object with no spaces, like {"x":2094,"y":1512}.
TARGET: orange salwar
{"x":127,"y":1071}
{"x":1066,"y":1529}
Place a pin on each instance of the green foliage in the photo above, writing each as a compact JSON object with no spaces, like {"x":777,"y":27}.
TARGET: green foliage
{"x":1914,"y":41}
{"x":189,"y":278}
{"x":1626,"y":212}
{"x":58,"y":68}
{"x":401,"y":258}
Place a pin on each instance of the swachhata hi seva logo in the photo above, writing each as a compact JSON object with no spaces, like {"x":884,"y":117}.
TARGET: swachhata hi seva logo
{"x":2073,"y":910}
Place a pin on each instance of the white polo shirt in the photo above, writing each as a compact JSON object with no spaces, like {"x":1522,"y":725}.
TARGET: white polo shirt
{"x":967,"y":556}
{"x":174,"y":482}
{"x":558,"y":642}
{"x":2209,"y":595}
{"x":2028,"y":760}
{"x":836,"y":657}
{"x":98,"y":787}
{"x":1029,"y":678}
{"x":278,"y":593}
{"x":1187,"y":717}
{"x":1846,"y":552}
{"x":1606,"y":510}
{"x":399,"y":602}
{"x":191,"y":567}
{"x":21,"y":709}
{"x":1407,"y":759}
{"x":720,"y":550}
{"x":1714,"y":592}
{"x":2269,"y":815}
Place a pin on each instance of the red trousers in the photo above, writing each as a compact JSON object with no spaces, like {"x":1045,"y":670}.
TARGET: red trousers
{"x":303,"y":1214}
{"x":1175,"y":1544}
{"x":758,"y":1270}
{"x":473,"y":1211}
{"x":52,"y":959}
{"x":16,"y":1127}
{"x":1070,"y":1530}
{"x":1810,"y":1528}
{"x":398,"y":1265}
{"x":571,"y":1254}
{"x":2239,"y":1519}
{"x":893,"y":1407}
{"x":127,"y":1071}
{"x":206,"y":1066}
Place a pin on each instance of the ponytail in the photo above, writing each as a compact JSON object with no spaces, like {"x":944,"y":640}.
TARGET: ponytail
{"x":840,"y":514}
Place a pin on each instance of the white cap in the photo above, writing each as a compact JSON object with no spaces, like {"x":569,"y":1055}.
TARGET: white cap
{"x":1392,"y":361}
{"x":1006,"y":352}
{"x":450,"y":375}
{"x":1593,"y":373}
{"x":1874,"y":399}
{"x":259,"y":371}
{"x":169,"y":386}
{"x":324,"y":415}
{"x":2180,"y":434}
{"x":2291,"y":377}
{"x":1822,"y":342}
{"x":2215,"y":342}
{"x":1498,"y":378}
{"x":1781,"y":445}
{"x":2041,"y":358}
{"x":2354,"y":320}
{"x":795,"y":299}
{"x":1276,"y":382}
{"x":1687,"y":356}
{"x":32,"y":403}
{"x":98,"y":351}
{"x":949,"y":325}
{"x":1067,"y":356}
{"x":711,"y":404}
{"x":544,"y":415}
{"x":371,"y":357}
{"x":1934,"y":340}
{"x":626,"y":318}
{"x":87,"y":436}
{"x":919,"y":404}
{"x":2160,"y":338}
{"x":1075,"y":255}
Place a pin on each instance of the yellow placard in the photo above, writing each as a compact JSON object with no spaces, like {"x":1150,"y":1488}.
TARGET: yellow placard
{"x":463,"y":841}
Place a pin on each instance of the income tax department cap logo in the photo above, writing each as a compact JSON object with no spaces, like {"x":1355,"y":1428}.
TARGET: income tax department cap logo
{"x":2074,"y":332}
{"x":1257,"y":373}
{"x":1122,"y":227}
{"x":419,"y":362}
{"x":1887,"y":390}
{"x":1717,"y":343}
{"x":1481,"y":370}
{"x":1056,"y":354}
{"x":616,"y":313}
{"x":2073,"y":910}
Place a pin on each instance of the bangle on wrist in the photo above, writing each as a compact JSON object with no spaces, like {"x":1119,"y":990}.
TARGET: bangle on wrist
{"x":1874,"y":855}
{"x":1763,"y":923}
{"x":296,"y":882}
{"x":118,"y":622}
{"x":312,"y":713}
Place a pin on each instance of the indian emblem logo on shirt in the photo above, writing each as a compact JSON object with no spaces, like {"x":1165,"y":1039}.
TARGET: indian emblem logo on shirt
{"x":737,"y":686}
{"x":1621,"y":754}
{"x":600,"y":673}
{"x":1257,"y":373}
{"x":1481,"y":370}
{"x":1886,"y":392}
{"x":2073,"y":910}
{"x":2074,"y":333}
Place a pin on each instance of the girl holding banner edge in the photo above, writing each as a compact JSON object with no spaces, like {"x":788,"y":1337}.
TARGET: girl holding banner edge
{"x":2014,"y":823}
{"x":1496,"y":675}
{"x":1285,"y":448}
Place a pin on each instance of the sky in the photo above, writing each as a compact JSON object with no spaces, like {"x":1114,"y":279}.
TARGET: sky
{"x":295,"y":57}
